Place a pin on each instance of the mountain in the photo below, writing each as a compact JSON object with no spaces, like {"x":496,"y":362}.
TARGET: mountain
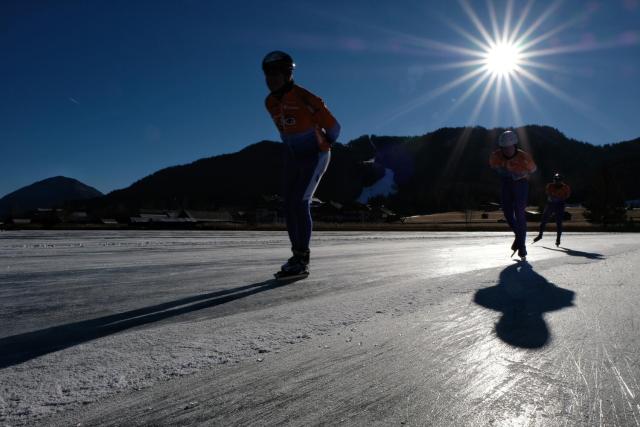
{"x":448,"y":169}
{"x":443,"y":170}
{"x":48,"y":193}
{"x":241,"y":179}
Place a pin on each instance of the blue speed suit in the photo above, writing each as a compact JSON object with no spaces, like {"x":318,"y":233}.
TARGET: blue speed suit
{"x":307,"y":129}
{"x":557,"y":194}
{"x":514,"y":192}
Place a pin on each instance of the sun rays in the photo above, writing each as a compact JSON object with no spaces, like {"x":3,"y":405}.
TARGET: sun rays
{"x":506,"y":51}
{"x":502,"y":62}
{"x":499,"y":64}
{"x":493,"y":62}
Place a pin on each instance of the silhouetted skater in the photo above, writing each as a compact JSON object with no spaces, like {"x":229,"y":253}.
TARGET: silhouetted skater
{"x":557,"y":194}
{"x":308,"y":129}
{"x":514,"y":166}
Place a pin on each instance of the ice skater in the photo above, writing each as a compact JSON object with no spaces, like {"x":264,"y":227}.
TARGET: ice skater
{"x":557,"y":194}
{"x":514,"y":167}
{"x":307,"y":129}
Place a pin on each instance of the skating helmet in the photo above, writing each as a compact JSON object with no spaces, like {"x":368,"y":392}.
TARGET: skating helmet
{"x":557,"y":177}
{"x":507,"y":138}
{"x":278,"y":60}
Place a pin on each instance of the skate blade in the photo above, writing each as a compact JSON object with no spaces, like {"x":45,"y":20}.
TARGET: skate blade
{"x":285,"y":277}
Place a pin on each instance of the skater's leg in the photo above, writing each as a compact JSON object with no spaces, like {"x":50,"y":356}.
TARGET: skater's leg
{"x":295,"y":209}
{"x":291,"y":178}
{"x":291,"y":218}
{"x":543,"y":222}
{"x":311,"y":178}
{"x":545,"y":217}
{"x":311,"y":171}
{"x":302,"y":211}
{"x":559,"y":221}
{"x":506,"y":201}
{"x":507,"y":204}
{"x":520,"y":204}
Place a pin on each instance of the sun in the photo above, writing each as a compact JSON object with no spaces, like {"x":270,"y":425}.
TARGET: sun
{"x":502,"y":59}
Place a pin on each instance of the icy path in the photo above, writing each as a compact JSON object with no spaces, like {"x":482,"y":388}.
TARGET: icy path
{"x":415,"y":328}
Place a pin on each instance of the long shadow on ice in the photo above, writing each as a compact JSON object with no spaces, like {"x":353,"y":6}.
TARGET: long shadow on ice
{"x":523,"y":296}
{"x":572,"y":252}
{"x":20,"y":348}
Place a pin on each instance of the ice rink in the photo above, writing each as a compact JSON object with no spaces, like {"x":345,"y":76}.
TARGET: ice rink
{"x":186,"y":327}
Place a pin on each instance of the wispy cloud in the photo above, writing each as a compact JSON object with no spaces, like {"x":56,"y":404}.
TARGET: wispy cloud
{"x":75,"y":101}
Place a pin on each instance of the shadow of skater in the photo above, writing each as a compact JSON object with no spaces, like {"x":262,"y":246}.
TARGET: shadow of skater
{"x":571,"y":252}
{"x":523,"y":296}
{"x":20,"y":348}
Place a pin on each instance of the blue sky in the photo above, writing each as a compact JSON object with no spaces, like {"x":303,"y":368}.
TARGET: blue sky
{"x":110,"y":91}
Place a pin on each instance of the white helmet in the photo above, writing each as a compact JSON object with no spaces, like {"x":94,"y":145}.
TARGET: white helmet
{"x":507,"y":138}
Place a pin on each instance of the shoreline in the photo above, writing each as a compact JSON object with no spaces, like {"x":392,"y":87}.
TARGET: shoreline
{"x":320,"y":226}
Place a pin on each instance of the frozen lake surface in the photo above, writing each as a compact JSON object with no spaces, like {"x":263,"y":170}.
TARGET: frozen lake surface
{"x":184,"y":327}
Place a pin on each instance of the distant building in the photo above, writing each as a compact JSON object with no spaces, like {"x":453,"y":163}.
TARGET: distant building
{"x":206,"y":216}
{"x":159,"y":218}
{"x":332,"y":211}
{"x":184,"y":217}
{"x":20,"y":221}
{"x":267,"y":216}
{"x":47,"y":216}
{"x":269,"y":209}
{"x":381,"y":213}
{"x":356,"y":212}
{"x":489,"y":206}
{"x":78,"y":217}
{"x":154,"y":217}
{"x":139,"y":220}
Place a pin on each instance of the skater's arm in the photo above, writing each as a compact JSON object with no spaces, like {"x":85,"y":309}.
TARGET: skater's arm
{"x":530,"y":165}
{"x":274,"y":112}
{"x":496,"y":161}
{"x":321,"y":115}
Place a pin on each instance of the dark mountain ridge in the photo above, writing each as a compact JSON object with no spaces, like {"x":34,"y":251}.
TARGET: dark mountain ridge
{"x":48,"y":193}
{"x":440,"y":171}
{"x":443,"y":170}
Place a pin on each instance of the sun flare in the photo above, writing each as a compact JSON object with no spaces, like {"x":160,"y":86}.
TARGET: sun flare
{"x":502,"y":59}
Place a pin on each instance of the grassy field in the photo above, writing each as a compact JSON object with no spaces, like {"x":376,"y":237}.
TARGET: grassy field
{"x":473,"y":220}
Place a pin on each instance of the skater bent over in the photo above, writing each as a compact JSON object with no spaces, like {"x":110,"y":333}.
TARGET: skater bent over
{"x":514,"y":166}
{"x":557,"y":194}
{"x":307,"y":129}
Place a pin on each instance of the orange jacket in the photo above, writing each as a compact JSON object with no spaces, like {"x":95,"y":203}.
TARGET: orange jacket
{"x":558,"y":192}
{"x":300,"y":115}
{"x":517,"y":167}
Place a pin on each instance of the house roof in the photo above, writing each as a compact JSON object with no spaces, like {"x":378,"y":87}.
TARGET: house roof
{"x":208,"y":216}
